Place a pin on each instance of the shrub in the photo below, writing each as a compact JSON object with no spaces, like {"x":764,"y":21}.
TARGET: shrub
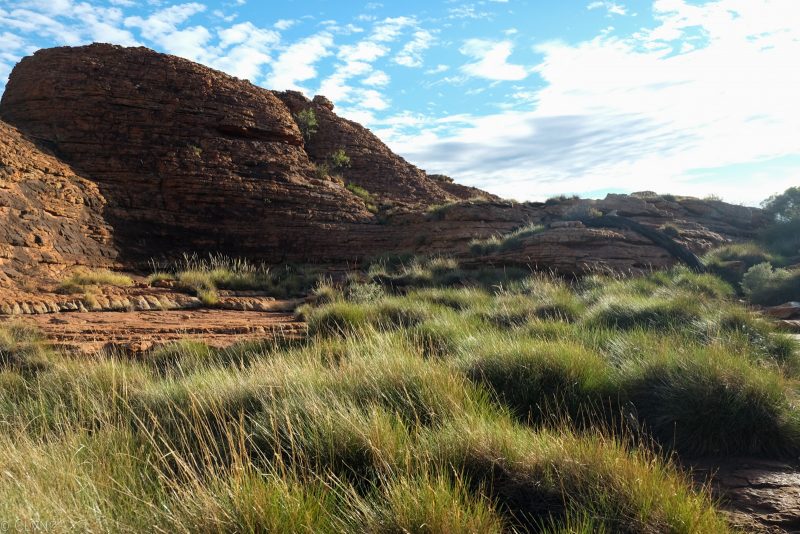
{"x":763,"y":284}
{"x":730,"y":262}
{"x":364,"y":292}
{"x":307,"y":122}
{"x":340,"y":159}
{"x":364,"y":195}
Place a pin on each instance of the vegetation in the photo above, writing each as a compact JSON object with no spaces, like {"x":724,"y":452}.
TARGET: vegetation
{"x":426,"y":398}
{"x":501,"y":243}
{"x":756,"y":268}
{"x":366,"y":196}
{"x":82,"y":279}
{"x":205,"y":276}
{"x":306,"y":120}
{"x":340,"y":159}
{"x":764,"y":284}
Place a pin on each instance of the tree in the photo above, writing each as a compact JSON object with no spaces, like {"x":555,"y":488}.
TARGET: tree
{"x":307,"y":122}
{"x":783,"y":208}
{"x":782,"y":235}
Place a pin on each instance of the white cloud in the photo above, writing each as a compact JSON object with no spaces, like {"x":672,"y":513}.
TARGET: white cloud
{"x":437,"y":69}
{"x":297,"y":62}
{"x":638,"y":113}
{"x":612,"y":8}
{"x":378,"y":78}
{"x":491,"y":60}
{"x":285,"y":24}
{"x":161,"y":28}
{"x":411,"y":53}
{"x":244,"y":50}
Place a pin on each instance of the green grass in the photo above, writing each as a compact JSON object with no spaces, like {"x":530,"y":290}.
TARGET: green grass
{"x":501,"y":243}
{"x":83,"y":279}
{"x":365,"y":196}
{"x":524,"y":403}
{"x":205,"y":276}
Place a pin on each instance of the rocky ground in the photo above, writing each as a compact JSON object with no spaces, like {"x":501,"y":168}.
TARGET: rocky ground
{"x":757,"y":495}
{"x":138,"y":331}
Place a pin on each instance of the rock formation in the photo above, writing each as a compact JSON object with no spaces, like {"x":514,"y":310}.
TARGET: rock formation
{"x":154,"y":155}
{"x":50,"y":217}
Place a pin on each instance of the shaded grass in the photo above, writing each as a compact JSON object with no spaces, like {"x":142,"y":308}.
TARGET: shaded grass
{"x":483,"y":408}
{"x":502,"y":243}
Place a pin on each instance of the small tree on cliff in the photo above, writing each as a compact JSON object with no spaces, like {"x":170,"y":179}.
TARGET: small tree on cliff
{"x":307,"y":122}
{"x":340,"y":159}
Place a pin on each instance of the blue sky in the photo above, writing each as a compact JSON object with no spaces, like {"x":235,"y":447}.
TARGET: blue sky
{"x":524,"y":98}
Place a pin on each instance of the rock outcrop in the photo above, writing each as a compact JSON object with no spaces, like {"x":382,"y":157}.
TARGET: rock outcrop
{"x":373,"y":166}
{"x":187,"y":157}
{"x":119,"y":155}
{"x":50,"y":217}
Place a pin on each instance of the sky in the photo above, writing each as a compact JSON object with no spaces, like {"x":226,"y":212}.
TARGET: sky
{"x":527,"y":99}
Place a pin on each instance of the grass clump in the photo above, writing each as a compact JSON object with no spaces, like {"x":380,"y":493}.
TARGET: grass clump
{"x":501,"y":243}
{"x":708,"y":402}
{"x":364,"y":195}
{"x":81,"y":279}
{"x":22,"y":348}
{"x":205,"y":276}
{"x":426,"y":398}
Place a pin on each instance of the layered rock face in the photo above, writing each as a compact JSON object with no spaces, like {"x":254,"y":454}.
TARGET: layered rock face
{"x":373,"y":165}
{"x":50,"y":217}
{"x":153,"y":155}
{"x":188,"y":158}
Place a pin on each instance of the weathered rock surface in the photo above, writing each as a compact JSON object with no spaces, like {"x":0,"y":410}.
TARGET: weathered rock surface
{"x":187,"y":157}
{"x":178,"y":157}
{"x":758,"y":496}
{"x":373,"y":165}
{"x":139,"y":331}
{"x":50,"y":217}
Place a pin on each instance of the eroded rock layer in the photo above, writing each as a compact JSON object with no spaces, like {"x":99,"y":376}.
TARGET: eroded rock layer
{"x":176,"y":157}
{"x":188,"y":158}
{"x":50,"y":217}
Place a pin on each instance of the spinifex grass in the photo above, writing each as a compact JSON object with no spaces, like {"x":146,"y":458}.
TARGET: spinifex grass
{"x":535,"y":405}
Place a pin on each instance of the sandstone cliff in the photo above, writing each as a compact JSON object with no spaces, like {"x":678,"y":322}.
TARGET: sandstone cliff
{"x":153,"y":155}
{"x":50,"y":217}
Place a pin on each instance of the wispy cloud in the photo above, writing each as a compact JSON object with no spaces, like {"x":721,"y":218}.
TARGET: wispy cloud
{"x":491,"y":60}
{"x":297,"y":62}
{"x":639,"y":112}
{"x":411,"y":53}
{"x":611,"y":8}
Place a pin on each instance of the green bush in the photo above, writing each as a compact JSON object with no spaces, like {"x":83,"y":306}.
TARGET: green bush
{"x":340,"y":159}
{"x":763,"y":284}
{"x":306,"y":120}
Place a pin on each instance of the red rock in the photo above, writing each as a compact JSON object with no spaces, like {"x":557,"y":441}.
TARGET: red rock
{"x":158,"y":155}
